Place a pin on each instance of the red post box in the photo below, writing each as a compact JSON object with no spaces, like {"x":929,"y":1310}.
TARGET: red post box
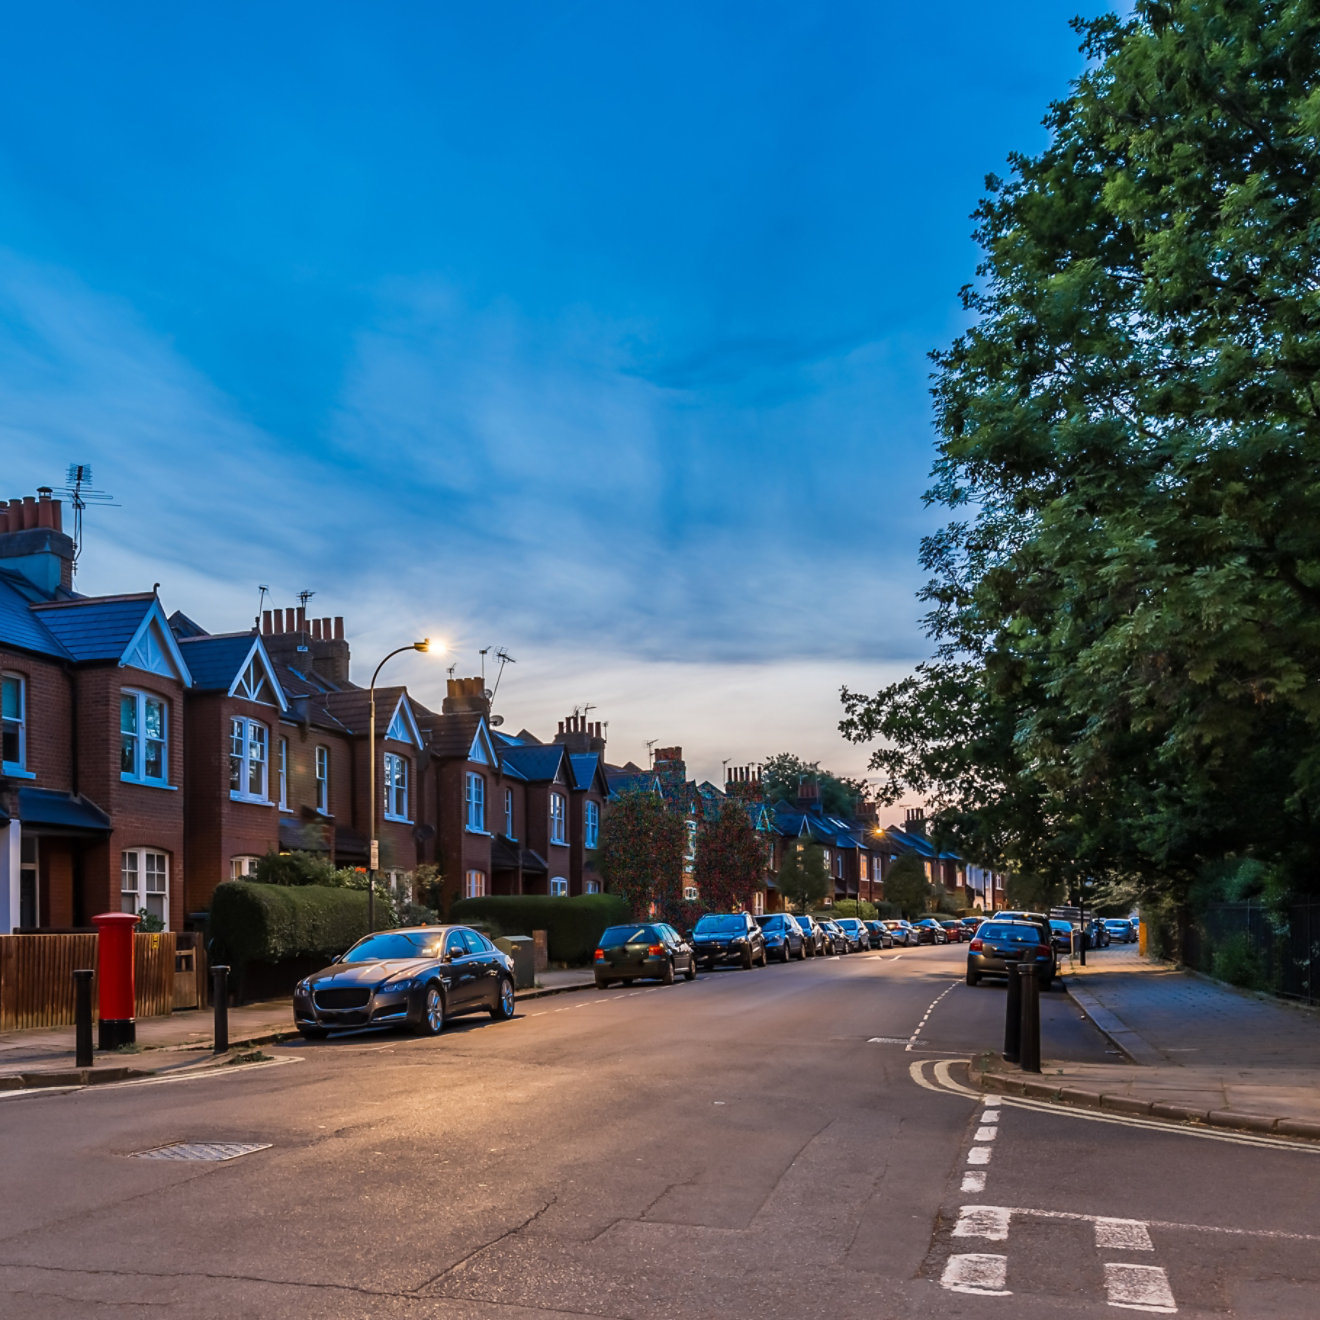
{"x":114,"y":978}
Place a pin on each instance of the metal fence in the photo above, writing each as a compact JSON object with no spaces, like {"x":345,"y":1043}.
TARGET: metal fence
{"x":1272,"y":949}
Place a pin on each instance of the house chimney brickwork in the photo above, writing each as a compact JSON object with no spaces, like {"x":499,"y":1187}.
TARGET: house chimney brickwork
{"x":283,"y":632}
{"x":466,"y":695}
{"x":579,"y":734}
{"x":33,"y":541}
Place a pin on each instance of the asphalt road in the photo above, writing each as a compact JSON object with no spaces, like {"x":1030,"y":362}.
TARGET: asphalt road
{"x":774,"y":1143}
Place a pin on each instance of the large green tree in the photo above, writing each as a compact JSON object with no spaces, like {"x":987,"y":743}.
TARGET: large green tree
{"x":783,"y":775}
{"x":730,"y":862}
{"x":803,"y":879}
{"x":1126,"y":601}
{"x":906,"y":886}
{"x":640,"y":855}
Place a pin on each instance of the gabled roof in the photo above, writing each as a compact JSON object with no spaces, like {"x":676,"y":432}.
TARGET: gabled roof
{"x":631,"y":781}
{"x":587,"y":772}
{"x":536,"y":764}
{"x":401,"y":725}
{"x":905,"y":841}
{"x":352,"y":708}
{"x":132,"y":630}
{"x":215,"y":661}
{"x":452,"y":734}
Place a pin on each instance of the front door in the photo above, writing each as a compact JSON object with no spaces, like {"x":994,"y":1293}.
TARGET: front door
{"x":29,"y":890}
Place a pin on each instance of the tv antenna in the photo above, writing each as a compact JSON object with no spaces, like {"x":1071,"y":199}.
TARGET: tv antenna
{"x":650,"y":750}
{"x":78,"y":487}
{"x":263,"y":592}
{"x":505,"y":659}
{"x":303,"y":597}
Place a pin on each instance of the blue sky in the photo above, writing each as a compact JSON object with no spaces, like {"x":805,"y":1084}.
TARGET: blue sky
{"x":593,"y":331}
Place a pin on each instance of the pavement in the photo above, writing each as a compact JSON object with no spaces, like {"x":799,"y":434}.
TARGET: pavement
{"x":1187,"y":1048}
{"x":45,"y":1056}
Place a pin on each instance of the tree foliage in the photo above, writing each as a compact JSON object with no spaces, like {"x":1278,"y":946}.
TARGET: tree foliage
{"x":782,"y":775}
{"x":730,"y":862}
{"x":1126,"y":600}
{"x":803,"y":879}
{"x":906,"y":885}
{"x":640,"y":856}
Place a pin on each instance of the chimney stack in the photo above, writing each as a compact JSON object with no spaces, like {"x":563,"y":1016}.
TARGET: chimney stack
{"x":284,"y":631}
{"x":33,"y":542}
{"x":578,"y":734}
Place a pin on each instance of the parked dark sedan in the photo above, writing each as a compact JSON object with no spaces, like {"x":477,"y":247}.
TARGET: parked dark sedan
{"x":881,"y":938}
{"x":1096,"y":935}
{"x":956,"y":931}
{"x":419,"y":977}
{"x":723,"y":937}
{"x":812,"y":932}
{"x":835,"y":940}
{"x":855,"y":932}
{"x":901,"y":932}
{"x":642,"y":950}
{"x":929,"y":931}
{"x":999,"y":946}
{"x":783,"y":936}
{"x":971,"y":925}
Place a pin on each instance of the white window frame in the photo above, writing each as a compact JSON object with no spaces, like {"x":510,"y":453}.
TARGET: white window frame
{"x":758,"y":903}
{"x":18,"y":769}
{"x":321,"y":763}
{"x":242,"y":745}
{"x":146,"y":865}
{"x":243,"y":866}
{"x":558,"y":887}
{"x":690,"y":852}
{"x":474,"y":883}
{"x":690,"y":893}
{"x":284,"y":774}
{"x":590,"y":824}
{"x":474,"y":802}
{"x":396,"y":787}
{"x":591,"y":886}
{"x":140,"y":700}
{"x":508,"y":814}
{"x":558,"y":818}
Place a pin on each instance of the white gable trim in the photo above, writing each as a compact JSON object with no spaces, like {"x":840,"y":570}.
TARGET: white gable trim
{"x":482,"y":750}
{"x":257,"y":658}
{"x":153,"y":648}
{"x":402,"y":726}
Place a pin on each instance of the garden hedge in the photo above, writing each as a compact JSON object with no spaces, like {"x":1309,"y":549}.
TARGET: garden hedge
{"x":252,"y":922}
{"x":572,"y":925}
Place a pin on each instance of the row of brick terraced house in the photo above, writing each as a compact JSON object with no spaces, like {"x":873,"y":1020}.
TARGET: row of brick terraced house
{"x":145,"y":760}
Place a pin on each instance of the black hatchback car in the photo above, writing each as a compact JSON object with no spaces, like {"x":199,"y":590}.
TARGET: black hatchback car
{"x":418,"y":977}
{"x":783,"y":936}
{"x":999,"y":946}
{"x":728,"y":937}
{"x":642,"y":949}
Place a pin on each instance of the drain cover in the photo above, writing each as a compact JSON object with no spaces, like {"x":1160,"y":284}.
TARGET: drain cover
{"x":201,"y":1150}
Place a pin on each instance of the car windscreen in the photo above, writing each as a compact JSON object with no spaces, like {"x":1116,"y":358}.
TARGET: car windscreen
{"x":1010,"y":934}
{"x":1061,"y":926}
{"x":389,"y":946}
{"x":716,"y":925}
{"x":619,"y":935}
{"x":770,"y":923}
{"x":851,"y":923}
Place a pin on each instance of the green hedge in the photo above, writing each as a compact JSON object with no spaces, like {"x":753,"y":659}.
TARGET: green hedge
{"x":572,"y":925}
{"x":252,"y":922}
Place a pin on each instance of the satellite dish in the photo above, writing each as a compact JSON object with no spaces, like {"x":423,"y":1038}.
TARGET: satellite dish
{"x":496,"y":721}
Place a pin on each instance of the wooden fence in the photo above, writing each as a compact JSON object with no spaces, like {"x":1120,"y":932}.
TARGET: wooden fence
{"x":36,"y":977}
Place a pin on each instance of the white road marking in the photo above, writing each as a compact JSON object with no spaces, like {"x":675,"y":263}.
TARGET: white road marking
{"x":1173,"y":1225}
{"x":990,"y":1116}
{"x":973,"y":1181}
{"x":979,"y":1155}
{"x":986,"y":1134}
{"x":976,"y":1274}
{"x":912,"y":1040}
{"x":944,"y":1083}
{"x":987,"y":1221}
{"x":1122,"y":1235}
{"x":1139,"y":1288}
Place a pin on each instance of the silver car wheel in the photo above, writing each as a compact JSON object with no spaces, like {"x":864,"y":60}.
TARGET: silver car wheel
{"x":434,"y":1010}
{"x":506,"y":998}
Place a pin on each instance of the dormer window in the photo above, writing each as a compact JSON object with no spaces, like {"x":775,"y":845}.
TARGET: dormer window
{"x":143,"y":739}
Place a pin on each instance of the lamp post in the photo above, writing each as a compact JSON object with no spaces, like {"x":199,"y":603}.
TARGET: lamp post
{"x":373,"y":854}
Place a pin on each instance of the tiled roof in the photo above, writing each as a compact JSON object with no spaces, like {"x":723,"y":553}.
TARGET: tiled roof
{"x":352,"y":707}
{"x":452,"y":735}
{"x":61,"y":811}
{"x":214,"y":662}
{"x":96,"y":628}
{"x":585,"y":766}
{"x":536,"y":764}
{"x":19,"y":626}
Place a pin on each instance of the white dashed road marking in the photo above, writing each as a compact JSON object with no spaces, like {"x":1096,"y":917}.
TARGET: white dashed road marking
{"x":912,"y":1040}
{"x":1122,"y":1235}
{"x":986,"y":1134}
{"x":973,"y":1182}
{"x":1139,"y":1288}
{"x":978,"y":1155}
{"x":987,"y":1221}
{"x":977,"y":1274}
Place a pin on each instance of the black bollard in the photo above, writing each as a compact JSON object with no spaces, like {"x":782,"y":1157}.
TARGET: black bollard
{"x":1029,"y":1041}
{"x":220,"y":1002}
{"x":82,"y":1017}
{"x":1013,"y":1017}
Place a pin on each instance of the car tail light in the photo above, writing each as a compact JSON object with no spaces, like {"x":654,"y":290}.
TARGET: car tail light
{"x":975,"y":946}
{"x":1045,"y":949}
{"x":655,"y":950}
{"x":600,"y":955}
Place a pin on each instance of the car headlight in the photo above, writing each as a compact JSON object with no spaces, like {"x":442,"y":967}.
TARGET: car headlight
{"x":391,"y":987}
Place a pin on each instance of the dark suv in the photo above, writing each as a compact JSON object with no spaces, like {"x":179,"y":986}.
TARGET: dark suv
{"x":783,"y":936}
{"x":724,"y":937}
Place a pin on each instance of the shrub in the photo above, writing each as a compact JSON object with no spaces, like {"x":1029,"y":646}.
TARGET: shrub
{"x":853,"y":907}
{"x":1236,"y":962}
{"x":252,"y":922}
{"x":572,"y":925}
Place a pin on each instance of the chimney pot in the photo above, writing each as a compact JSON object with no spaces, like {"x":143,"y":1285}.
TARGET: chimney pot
{"x":339,"y":627}
{"x":316,"y":629}
{"x":301,"y":618}
{"x":561,"y":726}
{"x":327,"y":628}
{"x":265,"y":621}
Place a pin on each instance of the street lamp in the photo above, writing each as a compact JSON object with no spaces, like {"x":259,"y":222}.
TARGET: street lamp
{"x":373,"y":855}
